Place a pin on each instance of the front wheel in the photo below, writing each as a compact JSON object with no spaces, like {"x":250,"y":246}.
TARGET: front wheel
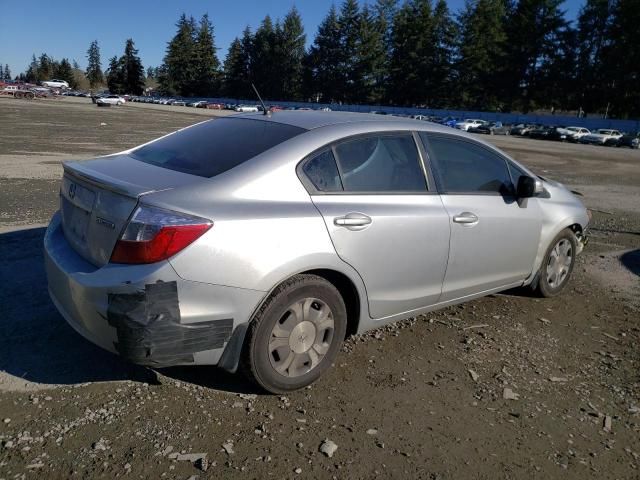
{"x":296,"y":335}
{"x":557,"y":264}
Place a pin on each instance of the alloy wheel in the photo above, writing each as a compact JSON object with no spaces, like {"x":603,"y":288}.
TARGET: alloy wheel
{"x":559,"y":264}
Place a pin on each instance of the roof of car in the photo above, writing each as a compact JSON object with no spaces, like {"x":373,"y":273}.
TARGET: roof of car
{"x":311,"y":119}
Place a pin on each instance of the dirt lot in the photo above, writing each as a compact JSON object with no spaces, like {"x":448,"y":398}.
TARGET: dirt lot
{"x":401,"y":402}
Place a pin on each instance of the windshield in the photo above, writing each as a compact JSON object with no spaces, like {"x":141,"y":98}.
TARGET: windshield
{"x":213,"y":147}
{"x":604,"y":132}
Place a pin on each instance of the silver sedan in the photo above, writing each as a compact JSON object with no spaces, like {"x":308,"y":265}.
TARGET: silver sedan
{"x":261,"y":241}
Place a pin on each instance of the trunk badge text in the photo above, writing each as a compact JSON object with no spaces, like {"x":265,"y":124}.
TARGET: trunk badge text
{"x":105,"y":223}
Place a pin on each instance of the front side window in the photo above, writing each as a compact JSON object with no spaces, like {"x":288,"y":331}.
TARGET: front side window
{"x":386,"y":163}
{"x":213,"y":147}
{"x":465,"y":167}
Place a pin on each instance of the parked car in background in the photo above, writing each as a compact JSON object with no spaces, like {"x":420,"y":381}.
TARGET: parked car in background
{"x":111,"y":100}
{"x":214,"y":106}
{"x":492,"y":128}
{"x":549,"y":133}
{"x":260,"y":241}
{"x":55,"y":83}
{"x":198,"y":104}
{"x":523,"y":129}
{"x":469,"y":123}
{"x":450,"y":122}
{"x":247,"y":108}
{"x":602,"y":136}
{"x":631,"y":140}
{"x":179,"y":103}
{"x":574,"y":134}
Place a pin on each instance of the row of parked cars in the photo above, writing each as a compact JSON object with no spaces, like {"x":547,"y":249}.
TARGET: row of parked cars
{"x":603,"y":136}
{"x":245,"y":108}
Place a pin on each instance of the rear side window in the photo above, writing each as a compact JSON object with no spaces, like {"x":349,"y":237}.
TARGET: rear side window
{"x":323,"y":172}
{"x":211,"y":148}
{"x":388,"y":163}
{"x":464,"y":167}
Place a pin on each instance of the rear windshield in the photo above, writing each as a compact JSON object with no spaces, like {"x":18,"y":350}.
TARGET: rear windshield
{"x":213,"y":147}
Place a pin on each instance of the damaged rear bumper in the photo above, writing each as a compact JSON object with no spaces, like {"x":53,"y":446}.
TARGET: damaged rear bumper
{"x":145,"y":313}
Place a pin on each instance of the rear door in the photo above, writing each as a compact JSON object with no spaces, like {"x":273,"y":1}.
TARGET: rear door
{"x":383,"y":218}
{"x":494,"y":236}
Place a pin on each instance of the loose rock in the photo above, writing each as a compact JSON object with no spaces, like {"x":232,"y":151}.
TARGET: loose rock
{"x":328,"y":448}
{"x":509,"y":394}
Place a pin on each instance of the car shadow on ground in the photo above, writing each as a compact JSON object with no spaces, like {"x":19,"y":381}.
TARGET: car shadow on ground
{"x":37,"y":345}
{"x":631,"y":261}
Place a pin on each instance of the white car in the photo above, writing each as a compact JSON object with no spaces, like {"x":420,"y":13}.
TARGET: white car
{"x":576,"y":133}
{"x":469,"y":123}
{"x":602,"y":136}
{"x":247,"y":108}
{"x":55,"y":83}
{"x":111,"y":100}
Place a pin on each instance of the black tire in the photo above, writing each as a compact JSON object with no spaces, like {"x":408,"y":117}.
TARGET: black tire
{"x":544,"y":287}
{"x":256,"y":362}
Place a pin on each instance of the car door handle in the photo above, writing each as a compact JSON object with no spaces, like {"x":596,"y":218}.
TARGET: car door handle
{"x":352,"y":220}
{"x":465,"y":218}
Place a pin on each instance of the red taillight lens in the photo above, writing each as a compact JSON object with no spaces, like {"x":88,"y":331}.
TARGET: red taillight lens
{"x":154,"y":234}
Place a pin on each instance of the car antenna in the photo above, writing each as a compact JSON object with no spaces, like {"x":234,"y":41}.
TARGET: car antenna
{"x":265,"y":110}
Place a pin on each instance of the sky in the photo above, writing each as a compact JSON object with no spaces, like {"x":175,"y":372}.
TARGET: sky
{"x":65,"y":29}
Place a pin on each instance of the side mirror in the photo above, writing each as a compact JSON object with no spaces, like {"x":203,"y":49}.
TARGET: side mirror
{"x":526,"y":187}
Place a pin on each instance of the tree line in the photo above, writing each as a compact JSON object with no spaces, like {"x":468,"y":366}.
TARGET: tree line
{"x":124,"y":74}
{"x":495,"y":55}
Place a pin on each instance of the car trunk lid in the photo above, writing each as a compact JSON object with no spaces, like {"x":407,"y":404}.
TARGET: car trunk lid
{"x":98,"y":196}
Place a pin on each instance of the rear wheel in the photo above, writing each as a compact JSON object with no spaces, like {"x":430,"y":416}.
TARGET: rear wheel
{"x":557,"y":264}
{"x":296,"y":335}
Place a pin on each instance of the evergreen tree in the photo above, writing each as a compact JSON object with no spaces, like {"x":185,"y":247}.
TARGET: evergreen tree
{"x":413,"y":53}
{"x":46,"y":67}
{"x":115,"y":76}
{"x":237,"y":82}
{"x":94,"y":68}
{"x":385,"y":13}
{"x":325,"y":69}
{"x":31,"y":74}
{"x":349,"y":22}
{"x":440,"y":94}
{"x":179,"y":75}
{"x":481,"y":53}
{"x":370,"y":62}
{"x":132,"y":70}
{"x":63,"y":71}
{"x":291,"y":48}
{"x":263,"y":68}
{"x":534,"y":28}
{"x":623,"y":61}
{"x":6,"y":72}
{"x":594,"y":25}
{"x":207,"y":65}
{"x":1,"y":72}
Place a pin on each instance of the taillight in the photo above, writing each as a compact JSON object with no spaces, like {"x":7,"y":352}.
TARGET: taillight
{"x":155,"y":234}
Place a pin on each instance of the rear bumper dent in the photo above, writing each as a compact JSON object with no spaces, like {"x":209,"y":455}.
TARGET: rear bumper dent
{"x":145,"y":313}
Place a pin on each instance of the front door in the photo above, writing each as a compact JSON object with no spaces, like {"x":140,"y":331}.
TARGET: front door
{"x":494,"y":236}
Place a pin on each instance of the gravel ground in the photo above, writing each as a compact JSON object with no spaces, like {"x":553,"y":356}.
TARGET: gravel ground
{"x":508,"y":386}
